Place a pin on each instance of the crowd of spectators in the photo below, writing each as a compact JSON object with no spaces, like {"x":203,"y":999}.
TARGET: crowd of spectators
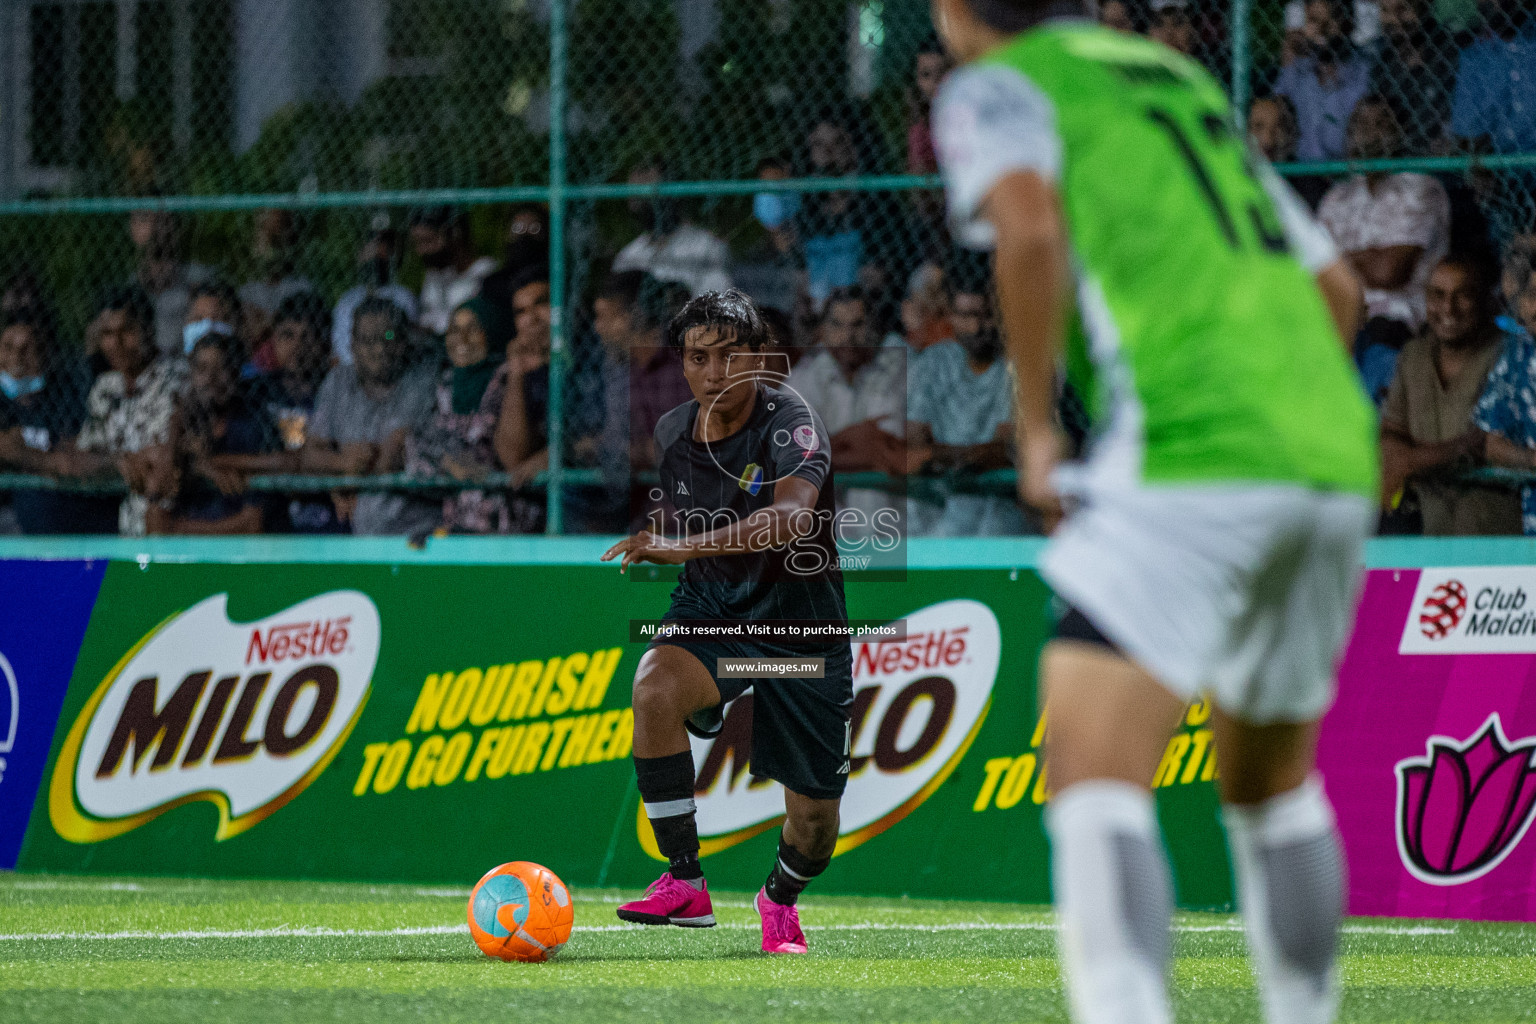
{"x":189,"y":381}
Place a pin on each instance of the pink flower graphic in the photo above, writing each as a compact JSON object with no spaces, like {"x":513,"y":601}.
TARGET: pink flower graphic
{"x":1463,"y":806}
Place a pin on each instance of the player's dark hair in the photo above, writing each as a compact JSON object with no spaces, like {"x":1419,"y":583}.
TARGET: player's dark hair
{"x":728,"y":311}
{"x":135,"y":301}
{"x":1018,"y":15}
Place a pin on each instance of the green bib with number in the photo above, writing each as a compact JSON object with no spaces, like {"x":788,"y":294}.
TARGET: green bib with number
{"x":1206,"y":347}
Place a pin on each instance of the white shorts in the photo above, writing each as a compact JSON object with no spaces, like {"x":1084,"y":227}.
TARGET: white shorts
{"x":1244,"y":592}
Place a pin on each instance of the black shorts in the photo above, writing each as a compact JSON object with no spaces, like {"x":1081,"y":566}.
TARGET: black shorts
{"x":800,"y":727}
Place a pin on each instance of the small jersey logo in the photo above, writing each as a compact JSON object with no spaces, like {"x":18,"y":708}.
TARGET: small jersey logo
{"x":751,"y":479}
{"x":682,"y":488}
{"x":805,"y":437}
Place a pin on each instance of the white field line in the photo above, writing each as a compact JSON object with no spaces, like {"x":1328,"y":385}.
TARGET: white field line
{"x":460,"y":929}
{"x":70,"y":884}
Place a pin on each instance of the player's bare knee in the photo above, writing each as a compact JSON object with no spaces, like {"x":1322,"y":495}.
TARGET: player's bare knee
{"x":655,"y":701}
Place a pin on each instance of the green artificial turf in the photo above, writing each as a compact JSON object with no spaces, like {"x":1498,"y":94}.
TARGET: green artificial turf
{"x":167,"y":950}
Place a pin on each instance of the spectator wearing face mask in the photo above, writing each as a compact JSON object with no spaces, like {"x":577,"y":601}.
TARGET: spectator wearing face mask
{"x":213,"y":307}
{"x":1325,"y":81}
{"x":960,"y":418}
{"x":770,"y":270}
{"x":842,"y":233}
{"x":440,"y":236}
{"x":42,"y":404}
{"x":668,"y":247}
{"x":377,"y":262}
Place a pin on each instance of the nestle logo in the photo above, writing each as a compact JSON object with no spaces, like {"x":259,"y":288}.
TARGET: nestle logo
{"x":299,"y":640}
{"x":1443,"y":609}
{"x":919,"y":650}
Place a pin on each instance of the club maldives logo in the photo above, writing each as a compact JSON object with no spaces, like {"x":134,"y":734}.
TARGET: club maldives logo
{"x":1475,"y":610}
{"x":243,"y":715}
{"x":1464,"y":805}
{"x":10,"y":711}
{"x":918,"y":704}
{"x":1442,"y":610}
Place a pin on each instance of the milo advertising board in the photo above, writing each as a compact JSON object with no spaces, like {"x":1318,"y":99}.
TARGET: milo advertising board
{"x":424,"y":722}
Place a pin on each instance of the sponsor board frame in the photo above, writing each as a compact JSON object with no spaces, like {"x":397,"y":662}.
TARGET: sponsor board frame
{"x":398,"y":800}
{"x":453,"y":601}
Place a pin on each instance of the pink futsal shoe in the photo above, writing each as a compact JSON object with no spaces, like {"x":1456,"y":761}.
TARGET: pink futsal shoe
{"x":781,"y":926}
{"x":672,"y":901}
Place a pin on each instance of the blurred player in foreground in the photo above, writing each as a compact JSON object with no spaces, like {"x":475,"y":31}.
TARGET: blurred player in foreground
{"x":1214,"y":534}
{"x":748,"y":468}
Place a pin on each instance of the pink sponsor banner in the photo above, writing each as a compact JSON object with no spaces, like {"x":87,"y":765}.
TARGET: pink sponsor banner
{"x":1429,"y":754}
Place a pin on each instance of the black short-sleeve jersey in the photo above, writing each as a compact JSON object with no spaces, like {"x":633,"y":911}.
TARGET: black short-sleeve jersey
{"x":723,"y":483}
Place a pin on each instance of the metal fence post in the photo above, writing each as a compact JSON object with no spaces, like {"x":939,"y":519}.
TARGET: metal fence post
{"x":558,"y":45}
{"x":1242,"y":60}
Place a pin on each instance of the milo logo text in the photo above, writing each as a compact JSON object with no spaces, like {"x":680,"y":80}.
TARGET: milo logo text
{"x":242,"y":715}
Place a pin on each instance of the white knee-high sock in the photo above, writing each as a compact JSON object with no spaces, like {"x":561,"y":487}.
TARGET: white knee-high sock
{"x":1290,"y":885}
{"x":1114,"y":898}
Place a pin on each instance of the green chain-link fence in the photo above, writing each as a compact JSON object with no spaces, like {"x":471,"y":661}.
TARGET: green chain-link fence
{"x":353,"y":147}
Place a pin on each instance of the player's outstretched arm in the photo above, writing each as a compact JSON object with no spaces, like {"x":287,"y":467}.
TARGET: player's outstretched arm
{"x":791,"y":516}
{"x":1032,"y":285}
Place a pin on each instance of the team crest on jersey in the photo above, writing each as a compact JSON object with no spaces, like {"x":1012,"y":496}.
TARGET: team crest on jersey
{"x":751,"y":479}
